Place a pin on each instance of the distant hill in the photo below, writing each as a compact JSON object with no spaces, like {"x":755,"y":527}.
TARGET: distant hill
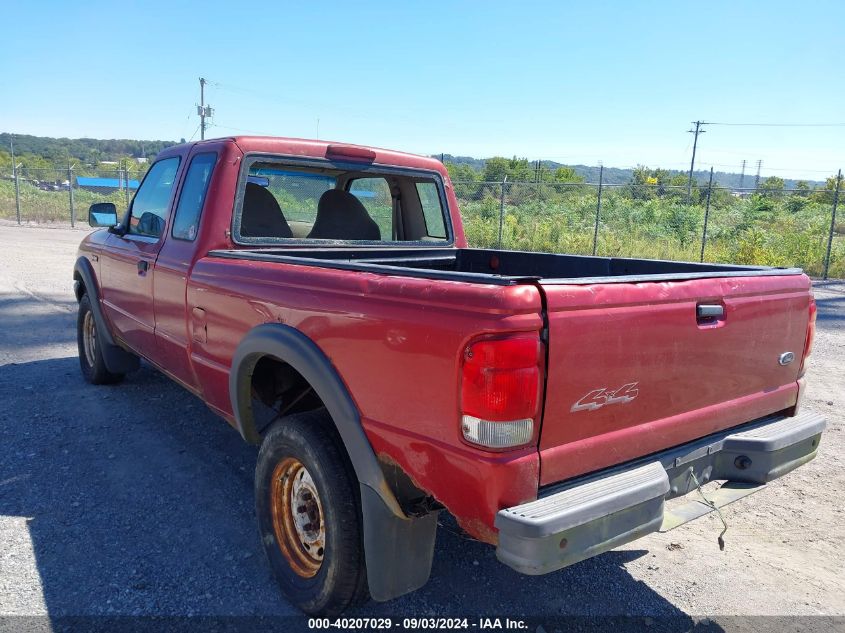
{"x":85,"y":150}
{"x":91,"y":151}
{"x":618,"y":176}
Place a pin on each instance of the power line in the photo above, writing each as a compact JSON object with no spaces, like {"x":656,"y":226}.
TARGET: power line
{"x":203,"y":110}
{"x":238,"y":89}
{"x":240,"y":129}
{"x":779,"y":124}
{"x":194,"y":134}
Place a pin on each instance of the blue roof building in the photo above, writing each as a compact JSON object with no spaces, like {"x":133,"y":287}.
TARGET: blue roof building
{"x":86,"y":182}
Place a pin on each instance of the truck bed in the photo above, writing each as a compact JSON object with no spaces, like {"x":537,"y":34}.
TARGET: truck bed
{"x":632,"y":367}
{"x":490,"y":266}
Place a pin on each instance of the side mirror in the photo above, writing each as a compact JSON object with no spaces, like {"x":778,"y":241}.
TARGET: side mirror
{"x":102,"y":214}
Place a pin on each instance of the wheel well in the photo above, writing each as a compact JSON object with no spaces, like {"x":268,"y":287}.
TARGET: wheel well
{"x":278,"y":390}
{"x":78,"y":286}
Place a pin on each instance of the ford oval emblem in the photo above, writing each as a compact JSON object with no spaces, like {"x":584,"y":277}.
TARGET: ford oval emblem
{"x":786,"y":358}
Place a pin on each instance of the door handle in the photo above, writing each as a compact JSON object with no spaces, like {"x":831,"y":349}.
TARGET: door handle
{"x":143,"y":265}
{"x":709,"y":312}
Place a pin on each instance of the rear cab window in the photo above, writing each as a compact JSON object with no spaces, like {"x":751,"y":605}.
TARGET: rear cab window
{"x":374,"y":194}
{"x":281,"y":202}
{"x":192,"y":197}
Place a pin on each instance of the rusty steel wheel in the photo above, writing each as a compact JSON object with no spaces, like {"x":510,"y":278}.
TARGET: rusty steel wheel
{"x":89,"y":338}
{"x":298,"y":517}
{"x":91,"y":360}
{"x":307,"y":503}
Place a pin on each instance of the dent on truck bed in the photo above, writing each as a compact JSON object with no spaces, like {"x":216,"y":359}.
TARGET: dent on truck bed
{"x":420,"y":500}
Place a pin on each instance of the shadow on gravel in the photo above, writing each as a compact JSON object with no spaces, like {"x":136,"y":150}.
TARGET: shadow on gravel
{"x":831,"y":310}
{"x":140,"y":502}
{"x":31,"y":331}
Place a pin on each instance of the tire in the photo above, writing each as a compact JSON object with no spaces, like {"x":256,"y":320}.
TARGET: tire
{"x":309,"y":515}
{"x":91,"y":361}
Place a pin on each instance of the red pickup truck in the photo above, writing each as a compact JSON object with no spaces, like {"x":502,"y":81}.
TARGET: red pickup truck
{"x":323,"y":300}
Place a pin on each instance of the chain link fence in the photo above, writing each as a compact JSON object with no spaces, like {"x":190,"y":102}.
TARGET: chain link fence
{"x":780,"y":227}
{"x":62,"y":194}
{"x":713,"y":223}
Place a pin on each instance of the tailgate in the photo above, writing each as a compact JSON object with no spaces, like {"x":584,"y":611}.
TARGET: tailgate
{"x":633,"y":368}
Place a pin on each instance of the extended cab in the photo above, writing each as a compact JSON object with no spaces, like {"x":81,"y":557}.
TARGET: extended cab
{"x":322,"y":299}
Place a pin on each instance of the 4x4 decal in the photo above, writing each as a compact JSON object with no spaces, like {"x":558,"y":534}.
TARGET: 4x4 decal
{"x":600,"y":397}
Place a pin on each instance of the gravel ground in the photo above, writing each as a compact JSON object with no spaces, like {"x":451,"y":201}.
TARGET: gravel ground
{"x":136,"y":499}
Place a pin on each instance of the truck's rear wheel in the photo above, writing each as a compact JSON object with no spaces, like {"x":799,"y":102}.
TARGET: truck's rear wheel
{"x":307,"y":502}
{"x":91,"y":360}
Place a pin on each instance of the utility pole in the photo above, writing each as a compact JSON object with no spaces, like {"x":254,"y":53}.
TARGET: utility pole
{"x":742,"y":175}
{"x":203,"y":110}
{"x":757,"y":178}
{"x":696,"y":131}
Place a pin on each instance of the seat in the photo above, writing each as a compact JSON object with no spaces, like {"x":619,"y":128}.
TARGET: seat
{"x":262,"y":215}
{"x":341,"y":216}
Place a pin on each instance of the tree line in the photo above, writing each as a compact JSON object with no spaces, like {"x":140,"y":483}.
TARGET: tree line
{"x":642,"y":183}
{"x":38,"y":153}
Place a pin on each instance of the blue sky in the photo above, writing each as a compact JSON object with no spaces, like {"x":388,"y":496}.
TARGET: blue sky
{"x":617,"y":82}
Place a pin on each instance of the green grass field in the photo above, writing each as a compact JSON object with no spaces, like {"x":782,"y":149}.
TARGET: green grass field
{"x":52,"y":206}
{"x":780,"y":232}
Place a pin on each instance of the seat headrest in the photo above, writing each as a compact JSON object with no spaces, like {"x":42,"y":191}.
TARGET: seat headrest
{"x":262,"y":215}
{"x":341,"y":216}
{"x":150,"y":224}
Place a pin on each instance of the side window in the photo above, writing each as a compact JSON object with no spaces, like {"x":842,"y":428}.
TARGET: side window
{"x":374,"y":194}
{"x":432,"y":209}
{"x":150,"y":206}
{"x":191,"y":198}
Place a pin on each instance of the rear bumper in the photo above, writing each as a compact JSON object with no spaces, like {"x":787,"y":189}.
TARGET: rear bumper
{"x":579,"y":519}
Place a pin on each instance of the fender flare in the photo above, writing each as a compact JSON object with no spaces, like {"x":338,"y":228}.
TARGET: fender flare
{"x":398,"y":549}
{"x":117,"y":359}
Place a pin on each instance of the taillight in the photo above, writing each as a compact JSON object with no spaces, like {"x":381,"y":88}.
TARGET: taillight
{"x":500,"y":391}
{"x":811,"y":334}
